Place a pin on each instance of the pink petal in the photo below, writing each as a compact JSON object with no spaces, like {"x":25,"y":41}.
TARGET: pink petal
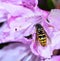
{"x":30,"y":3}
{"x":33,"y":47}
{"x":41,"y":51}
{"x":17,"y":52}
{"x":3,"y":15}
{"x":54,"y":58}
{"x":10,"y":8}
{"x":54,"y":18}
{"x":56,"y":40}
{"x":26,"y":3}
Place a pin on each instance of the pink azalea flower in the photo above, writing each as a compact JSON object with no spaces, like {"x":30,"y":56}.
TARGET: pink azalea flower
{"x":20,"y":19}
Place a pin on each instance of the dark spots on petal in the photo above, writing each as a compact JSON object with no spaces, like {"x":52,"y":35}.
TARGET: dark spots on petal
{"x":4,"y":44}
{"x":29,"y":36}
{"x":15,"y":29}
{"x":48,"y":20}
{"x":1,"y":24}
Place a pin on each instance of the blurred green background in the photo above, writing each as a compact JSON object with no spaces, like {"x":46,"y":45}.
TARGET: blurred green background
{"x":47,"y":4}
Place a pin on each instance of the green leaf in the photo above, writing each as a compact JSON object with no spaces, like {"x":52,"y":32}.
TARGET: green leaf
{"x":50,"y":4}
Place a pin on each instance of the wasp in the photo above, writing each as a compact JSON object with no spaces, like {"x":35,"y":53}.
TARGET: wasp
{"x":41,"y":35}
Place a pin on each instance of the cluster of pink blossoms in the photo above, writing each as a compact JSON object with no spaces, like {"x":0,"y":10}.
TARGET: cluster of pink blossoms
{"x":20,"y":18}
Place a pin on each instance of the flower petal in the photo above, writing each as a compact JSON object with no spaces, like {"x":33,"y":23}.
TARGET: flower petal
{"x":54,"y":58}
{"x":56,"y":40}
{"x":41,"y":51}
{"x":33,"y":47}
{"x":26,"y":3}
{"x":17,"y":52}
{"x":54,"y":18}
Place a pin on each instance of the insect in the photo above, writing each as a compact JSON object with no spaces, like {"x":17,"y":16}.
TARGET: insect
{"x":41,"y":35}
